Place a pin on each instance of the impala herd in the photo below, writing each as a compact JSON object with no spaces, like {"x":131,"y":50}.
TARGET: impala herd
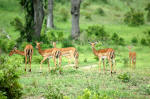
{"x":71,"y":53}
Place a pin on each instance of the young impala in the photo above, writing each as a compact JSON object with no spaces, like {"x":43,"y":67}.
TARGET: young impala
{"x":70,"y":53}
{"x":28,"y":52}
{"x":132,"y":56}
{"x":47,"y":53}
{"x":108,"y":53}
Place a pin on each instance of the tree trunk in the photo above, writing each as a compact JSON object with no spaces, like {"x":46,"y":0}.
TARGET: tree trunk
{"x":75,"y":12}
{"x":50,"y":23}
{"x":38,"y":17}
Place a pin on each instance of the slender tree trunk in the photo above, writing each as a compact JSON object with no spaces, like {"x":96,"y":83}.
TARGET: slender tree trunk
{"x":75,"y":12}
{"x":38,"y":17}
{"x":50,"y":23}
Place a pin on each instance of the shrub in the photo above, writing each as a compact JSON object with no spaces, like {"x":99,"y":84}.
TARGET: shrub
{"x":148,"y":9}
{"x":134,"y":40}
{"x":53,"y":92}
{"x":117,"y":40}
{"x":143,"y":41}
{"x":88,"y":16}
{"x":134,"y":18}
{"x":9,"y":75}
{"x":124,"y":77}
{"x":100,"y":11}
{"x":67,"y":43}
{"x":64,"y":14}
{"x":85,"y":4}
{"x":54,"y":35}
{"x":97,"y":32}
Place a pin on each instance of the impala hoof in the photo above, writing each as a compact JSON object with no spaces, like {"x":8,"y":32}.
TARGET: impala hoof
{"x":25,"y":70}
{"x":30,"y":70}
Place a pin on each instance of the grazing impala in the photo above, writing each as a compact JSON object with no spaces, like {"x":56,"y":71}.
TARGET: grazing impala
{"x":108,"y":53}
{"x":70,"y":53}
{"x":132,"y":56}
{"x":28,"y":52}
{"x":47,"y":53}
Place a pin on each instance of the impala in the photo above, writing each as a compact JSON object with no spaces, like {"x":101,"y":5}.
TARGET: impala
{"x":108,"y":53}
{"x":47,"y":53}
{"x":28,"y":52}
{"x":132,"y":56}
{"x":70,"y":53}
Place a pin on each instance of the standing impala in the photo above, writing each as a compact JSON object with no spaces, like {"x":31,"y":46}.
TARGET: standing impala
{"x":70,"y":53}
{"x":47,"y":53}
{"x":132,"y":56}
{"x":108,"y":53}
{"x":28,"y":52}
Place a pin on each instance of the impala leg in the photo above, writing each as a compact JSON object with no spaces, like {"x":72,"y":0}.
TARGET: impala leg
{"x":30,"y":62}
{"x":25,"y":62}
{"x":100,"y":64}
{"x":104,"y":64}
{"x":42,"y":63}
{"x":60,"y":64}
{"x":114,"y":65}
{"x":110,"y":64}
{"x":48,"y":65}
{"x":54,"y":58}
{"x":76,"y":62}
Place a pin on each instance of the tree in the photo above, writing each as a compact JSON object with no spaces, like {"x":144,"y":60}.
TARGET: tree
{"x":75,"y":12}
{"x":50,"y":23}
{"x":38,"y":17}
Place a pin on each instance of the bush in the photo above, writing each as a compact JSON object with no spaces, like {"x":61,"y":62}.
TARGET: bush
{"x":134,"y":18}
{"x":85,"y":4}
{"x":88,"y":16}
{"x":143,"y":41}
{"x":134,"y":40}
{"x":97,"y":32}
{"x":100,"y":11}
{"x":148,"y":14}
{"x":64,"y":14}
{"x":9,"y":84}
{"x":124,"y":77}
{"x":117,"y":40}
{"x":53,"y":92}
{"x":67,"y":43}
{"x":54,"y":35}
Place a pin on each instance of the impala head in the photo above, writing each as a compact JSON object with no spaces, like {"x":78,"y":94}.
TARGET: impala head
{"x":93,"y":43}
{"x":38,"y":44}
{"x":13,"y":51}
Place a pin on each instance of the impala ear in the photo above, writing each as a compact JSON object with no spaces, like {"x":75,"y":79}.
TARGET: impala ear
{"x":15,"y":48}
{"x":89,"y":42}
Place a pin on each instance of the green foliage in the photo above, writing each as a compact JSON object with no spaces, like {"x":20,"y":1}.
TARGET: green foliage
{"x":134,"y":40}
{"x":125,"y":77}
{"x":6,"y":45}
{"x":100,"y":11}
{"x":53,"y":92}
{"x":148,"y":9}
{"x":117,"y":40}
{"x":145,"y":89}
{"x":90,"y":94}
{"x":143,"y":41}
{"x":67,"y":43}
{"x":64,"y":14}
{"x":85,"y":60}
{"x":2,"y":95}
{"x":54,"y":35}
{"x":97,"y":32}
{"x":85,"y":4}
{"x":88,"y":16}
{"x":9,"y":75}
{"x":134,"y":18}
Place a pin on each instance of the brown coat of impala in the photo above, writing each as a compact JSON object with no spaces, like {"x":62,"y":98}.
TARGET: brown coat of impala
{"x":132,"y":56}
{"x":28,"y":52}
{"x":108,"y":53}
{"x":70,"y":53}
{"x":47,"y":53}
